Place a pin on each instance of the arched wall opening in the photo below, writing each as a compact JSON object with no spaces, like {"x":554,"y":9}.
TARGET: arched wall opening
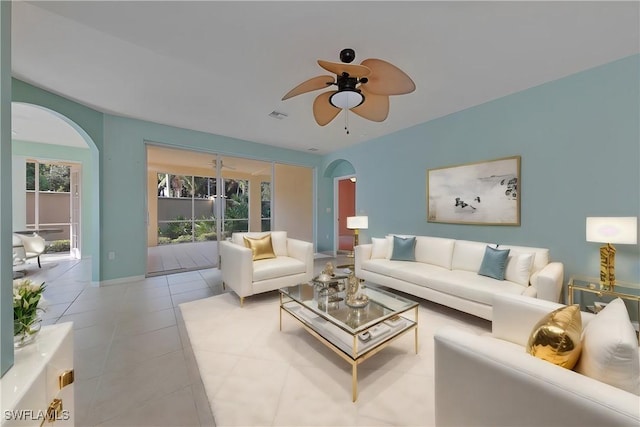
{"x":44,"y":135}
{"x":343,"y":176}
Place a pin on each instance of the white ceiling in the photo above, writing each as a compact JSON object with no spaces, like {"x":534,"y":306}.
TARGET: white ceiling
{"x":222,"y":67}
{"x":35,"y":124}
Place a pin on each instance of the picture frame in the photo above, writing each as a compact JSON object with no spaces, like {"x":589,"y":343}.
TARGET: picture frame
{"x":478,"y":193}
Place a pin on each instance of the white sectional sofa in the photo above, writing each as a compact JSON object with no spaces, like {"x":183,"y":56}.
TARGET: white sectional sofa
{"x":490,"y":379}
{"x":445,"y":271}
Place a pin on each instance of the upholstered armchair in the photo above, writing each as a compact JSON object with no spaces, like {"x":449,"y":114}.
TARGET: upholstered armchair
{"x":33,"y":246}
{"x":249,"y":271}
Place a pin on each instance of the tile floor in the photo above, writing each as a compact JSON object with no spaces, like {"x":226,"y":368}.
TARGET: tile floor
{"x":134,"y":364}
{"x":168,"y":259}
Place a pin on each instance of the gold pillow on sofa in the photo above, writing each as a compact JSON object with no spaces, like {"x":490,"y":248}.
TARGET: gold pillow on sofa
{"x":262,"y":248}
{"x":556,"y":337}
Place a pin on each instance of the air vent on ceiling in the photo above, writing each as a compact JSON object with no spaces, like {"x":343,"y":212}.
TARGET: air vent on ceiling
{"x":277,"y":115}
{"x":313,"y":149}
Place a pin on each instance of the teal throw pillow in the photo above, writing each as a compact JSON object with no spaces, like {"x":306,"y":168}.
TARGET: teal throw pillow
{"x":403,"y":248}
{"x":494,"y":263}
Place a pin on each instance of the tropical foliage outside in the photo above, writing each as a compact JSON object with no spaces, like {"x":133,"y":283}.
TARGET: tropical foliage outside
{"x":236,"y":197}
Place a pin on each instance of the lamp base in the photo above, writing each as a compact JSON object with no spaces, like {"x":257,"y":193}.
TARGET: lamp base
{"x":607,"y":267}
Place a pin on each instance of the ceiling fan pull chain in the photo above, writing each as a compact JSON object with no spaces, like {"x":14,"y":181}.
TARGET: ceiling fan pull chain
{"x":346,"y":120}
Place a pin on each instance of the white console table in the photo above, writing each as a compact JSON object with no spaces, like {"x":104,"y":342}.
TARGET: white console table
{"x":42,"y":371}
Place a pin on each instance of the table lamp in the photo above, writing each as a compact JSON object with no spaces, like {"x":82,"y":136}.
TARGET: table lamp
{"x":357,"y":223}
{"x":619,"y":230}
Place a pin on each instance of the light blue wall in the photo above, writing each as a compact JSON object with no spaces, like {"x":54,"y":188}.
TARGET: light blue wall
{"x":74,"y":154}
{"x":89,"y":124}
{"x":123,"y":227}
{"x":6,"y":293}
{"x":121,"y":178}
{"x":579,"y":139}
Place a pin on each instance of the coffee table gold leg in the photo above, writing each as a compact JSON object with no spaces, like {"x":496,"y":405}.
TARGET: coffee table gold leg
{"x":280,"y":311}
{"x":354,"y":381}
{"x":416,"y":330}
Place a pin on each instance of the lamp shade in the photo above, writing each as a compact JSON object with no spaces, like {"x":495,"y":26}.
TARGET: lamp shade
{"x":621,"y":230}
{"x":357,"y":222}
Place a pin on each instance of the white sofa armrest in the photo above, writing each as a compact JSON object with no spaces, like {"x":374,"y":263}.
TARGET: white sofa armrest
{"x":361,"y":254}
{"x":236,"y":264}
{"x":303,"y":251}
{"x":549,"y":281}
{"x":482,"y":381}
{"x":514,"y":316}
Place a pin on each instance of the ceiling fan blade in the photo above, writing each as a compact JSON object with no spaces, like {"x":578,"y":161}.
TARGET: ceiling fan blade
{"x":375,"y":107}
{"x":315,"y":83}
{"x":387,"y":79}
{"x":338,"y":68}
{"x":323,"y":111}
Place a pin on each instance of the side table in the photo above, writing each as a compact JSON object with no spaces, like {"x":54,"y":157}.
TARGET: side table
{"x":589,"y":294}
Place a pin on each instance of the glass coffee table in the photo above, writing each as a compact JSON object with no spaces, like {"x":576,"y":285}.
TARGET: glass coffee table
{"x":355,"y":334}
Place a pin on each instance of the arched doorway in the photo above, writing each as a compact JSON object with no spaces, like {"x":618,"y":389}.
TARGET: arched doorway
{"x":344,"y":203}
{"x":55,"y":180}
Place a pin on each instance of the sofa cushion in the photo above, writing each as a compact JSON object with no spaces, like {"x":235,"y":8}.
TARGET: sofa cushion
{"x":494,"y":263}
{"x":383,"y":266}
{"x":470,"y":286}
{"x":417,"y":273}
{"x":556,"y":337}
{"x":379,"y":248}
{"x":519,"y":267}
{"x":434,"y":250}
{"x":467,"y":255}
{"x":278,"y":240}
{"x":276,"y":267}
{"x":610,"y":349}
{"x":403,"y":248}
{"x":261,"y":248}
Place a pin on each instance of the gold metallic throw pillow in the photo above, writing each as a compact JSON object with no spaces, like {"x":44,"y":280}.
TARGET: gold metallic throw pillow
{"x":556,"y":337}
{"x":261,"y":248}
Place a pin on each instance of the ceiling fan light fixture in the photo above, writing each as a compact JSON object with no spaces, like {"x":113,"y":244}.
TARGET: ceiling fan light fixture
{"x":346,"y":99}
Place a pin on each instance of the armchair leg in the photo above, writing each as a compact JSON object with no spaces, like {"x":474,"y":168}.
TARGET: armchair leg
{"x":224,"y":287}
{"x":241,"y":301}
{"x":39,"y":266}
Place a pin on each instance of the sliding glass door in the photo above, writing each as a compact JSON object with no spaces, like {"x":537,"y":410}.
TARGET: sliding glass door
{"x":195,"y":199}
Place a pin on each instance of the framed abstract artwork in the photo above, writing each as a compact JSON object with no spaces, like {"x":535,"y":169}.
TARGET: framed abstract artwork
{"x":481,"y":193}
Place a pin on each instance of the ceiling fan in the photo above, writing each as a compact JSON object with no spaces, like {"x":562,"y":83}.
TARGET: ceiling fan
{"x":223,"y":165}
{"x":363,"y":89}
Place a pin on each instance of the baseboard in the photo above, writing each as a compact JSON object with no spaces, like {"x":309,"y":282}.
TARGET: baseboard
{"x":118,"y":281}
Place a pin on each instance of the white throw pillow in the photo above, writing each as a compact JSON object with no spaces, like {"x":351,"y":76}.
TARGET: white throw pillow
{"x":380,"y":248}
{"x":279,"y":242}
{"x":610,"y":349}
{"x":519,"y":268}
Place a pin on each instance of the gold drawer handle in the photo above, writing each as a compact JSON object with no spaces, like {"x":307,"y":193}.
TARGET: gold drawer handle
{"x":65,"y":379}
{"x":55,"y":408}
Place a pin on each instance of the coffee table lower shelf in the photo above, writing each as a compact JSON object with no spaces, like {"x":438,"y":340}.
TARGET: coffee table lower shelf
{"x":337,"y":339}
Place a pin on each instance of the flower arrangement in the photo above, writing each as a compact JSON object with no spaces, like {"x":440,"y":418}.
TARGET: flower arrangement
{"x":27,"y":299}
